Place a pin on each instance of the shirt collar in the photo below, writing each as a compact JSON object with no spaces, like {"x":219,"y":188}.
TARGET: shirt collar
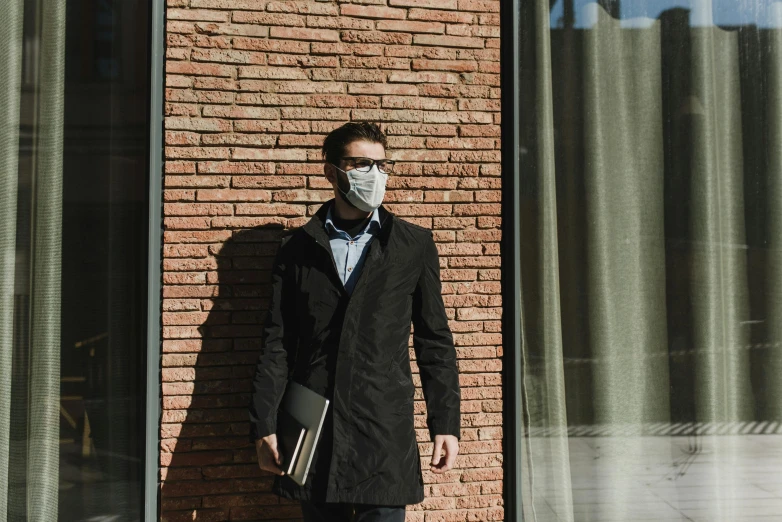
{"x":373,"y":221}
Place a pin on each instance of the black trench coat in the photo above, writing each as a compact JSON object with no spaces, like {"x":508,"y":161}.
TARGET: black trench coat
{"x":354,"y":351}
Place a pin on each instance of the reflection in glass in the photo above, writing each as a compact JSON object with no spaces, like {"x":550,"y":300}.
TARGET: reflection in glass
{"x":73,"y":252}
{"x":652,"y":266}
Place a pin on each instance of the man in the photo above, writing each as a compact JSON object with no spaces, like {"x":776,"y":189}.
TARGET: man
{"x":345,"y":289}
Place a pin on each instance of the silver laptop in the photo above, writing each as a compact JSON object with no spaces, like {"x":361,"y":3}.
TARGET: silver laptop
{"x":308,"y":409}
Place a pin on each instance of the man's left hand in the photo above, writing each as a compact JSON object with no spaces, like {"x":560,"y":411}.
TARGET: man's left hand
{"x":446,"y":447}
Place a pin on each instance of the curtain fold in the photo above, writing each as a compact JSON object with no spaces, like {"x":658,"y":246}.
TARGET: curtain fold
{"x":544,"y":396}
{"x":44,"y":415}
{"x":719,"y":270}
{"x":772,"y":391}
{"x":623,"y":171}
{"x":651,"y":265}
{"x":11,"y":12}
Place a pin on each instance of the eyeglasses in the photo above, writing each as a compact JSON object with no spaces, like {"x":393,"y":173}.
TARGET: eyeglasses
{"x":361,"y":164}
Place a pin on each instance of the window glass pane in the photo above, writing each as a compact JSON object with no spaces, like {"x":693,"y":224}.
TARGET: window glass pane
{"x":75,"y":420}
{"x":651,"y":259}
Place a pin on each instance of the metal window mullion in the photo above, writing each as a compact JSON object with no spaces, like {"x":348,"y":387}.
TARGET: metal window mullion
{"x":511,"y":265}
{"x":154,"y":305}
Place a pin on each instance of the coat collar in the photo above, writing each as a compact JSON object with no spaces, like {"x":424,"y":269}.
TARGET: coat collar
{"x":316,"y":226}
{"x":374,"y":221}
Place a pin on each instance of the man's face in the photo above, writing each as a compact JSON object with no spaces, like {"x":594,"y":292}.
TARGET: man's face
{"x":355,"y":149}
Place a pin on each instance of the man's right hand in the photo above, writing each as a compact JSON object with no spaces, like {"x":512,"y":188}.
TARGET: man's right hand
{"x":269,"y":458}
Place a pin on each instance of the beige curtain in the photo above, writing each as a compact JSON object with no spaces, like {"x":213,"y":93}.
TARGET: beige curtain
{"x":11,"y":12}
{"x":651,"y":272}
{"x":44,"y":435}
{"x":31,"y":492}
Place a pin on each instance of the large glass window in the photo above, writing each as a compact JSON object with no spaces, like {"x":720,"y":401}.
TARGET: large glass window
{"x":651,"y":265}
{"x":73,"y":255}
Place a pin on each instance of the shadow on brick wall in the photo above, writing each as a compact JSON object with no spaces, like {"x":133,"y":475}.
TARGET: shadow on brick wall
{"x":209,"y":470}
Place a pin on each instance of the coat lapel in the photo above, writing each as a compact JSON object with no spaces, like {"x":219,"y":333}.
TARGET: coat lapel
{"x":315,"y":227}
{"x":376,"y":250}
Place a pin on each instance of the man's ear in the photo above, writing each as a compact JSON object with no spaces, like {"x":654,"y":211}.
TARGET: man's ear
{"x":329,"y":172}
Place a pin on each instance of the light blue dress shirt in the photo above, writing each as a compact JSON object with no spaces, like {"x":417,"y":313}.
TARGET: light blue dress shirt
{"x":350,"y":252}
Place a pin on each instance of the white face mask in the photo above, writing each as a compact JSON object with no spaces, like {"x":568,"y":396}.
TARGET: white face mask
{"x":367,"y":189}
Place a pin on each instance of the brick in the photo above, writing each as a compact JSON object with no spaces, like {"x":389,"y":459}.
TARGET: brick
{"x":178,"y":195}
{"x":434,"y":4}
{"x":448,"y":41}
{"x":460,"y":143}
{"x":374,"y":62}
{"x":479,"y":130}
{"x":173,"y":53}
{"x":303,"y":7}
{"x":491,"y":6}
{"x":229,"y":167}
{"x":377,"y":37}
{"x":453,"y":17}
{"x":288,"y":87}
{"x":233,"y":195}
{"x":457,"y":117}
{"x":331,"y":22}
{"x":382,"y":88}
{"x":302,"y":61}
{"x":375,"y":115}
{"x":397,"y":182}
{"x":476,"y":156}
{"x":196,"y":181}
{"x":347,"y":48}
{"x":423,"y":77}
{"x":180,"y":109}
{"x":445,"y":65}
{"x":272,"y":73}
{"x":228,"y":4}
{"x":420,"y":155}
{"x":303,"y":196}
{"x":479,"y":105}
{"x":197,"y":152}
{"x":232,"y":29}
{"x":448,"y":196}
{"x":315,"y":35}
{"x":460,"y":30}
{"x":180,"y":27}
{"x":474,"y":262}
{"x":407,"y":26}
{"x":273,"y":209}
{"x":272,"y":46}
{"x":420,"y":130}
{"x":198,"y":69}
{"x":367,"y":11}
{"x":248,"y":222}
{"x":268,"y":154}
{"x":314,"y":114}
{"x":346,"y":75}
{"x":227,"y":56}
{"x":420,"y":210}
{"x":456,"y":91}
{"x":270,"y":19}
{"x":206,"y":15}
{"x":253,"y":140}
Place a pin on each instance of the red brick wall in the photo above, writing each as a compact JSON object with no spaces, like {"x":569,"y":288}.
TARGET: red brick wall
{"x":252,"y":87}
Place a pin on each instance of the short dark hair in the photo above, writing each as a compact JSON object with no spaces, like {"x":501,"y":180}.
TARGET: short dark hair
{"x":335,"y":143}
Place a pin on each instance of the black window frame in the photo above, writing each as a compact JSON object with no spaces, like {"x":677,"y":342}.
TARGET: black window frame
{"x":155,"y":250}
{"x":513,"y":429}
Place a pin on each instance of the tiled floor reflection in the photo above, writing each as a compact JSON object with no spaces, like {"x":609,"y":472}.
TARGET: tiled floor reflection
{"x":619,"y":478}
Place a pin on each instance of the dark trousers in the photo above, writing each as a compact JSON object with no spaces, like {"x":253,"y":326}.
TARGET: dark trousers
{"x":332,"y":512}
